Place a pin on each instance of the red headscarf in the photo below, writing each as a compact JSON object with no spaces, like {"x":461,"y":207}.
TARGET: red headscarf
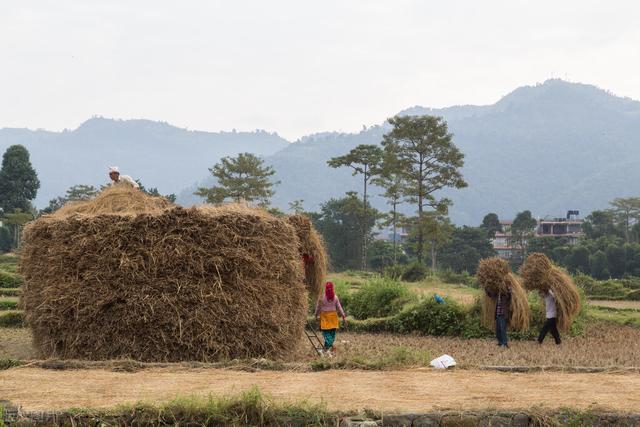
{"x":328,"y":291}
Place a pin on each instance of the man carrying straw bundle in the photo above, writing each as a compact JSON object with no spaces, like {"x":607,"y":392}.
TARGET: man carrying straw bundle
{"x":505,"y":300}
{"x":551,"y":324}
{"x":327,"y":309}
{"x":562,"y":300}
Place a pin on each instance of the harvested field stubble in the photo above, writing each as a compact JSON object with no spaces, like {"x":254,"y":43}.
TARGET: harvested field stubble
{"x":153,"y":282}
{"x":495,"y":277}
{"x":603,"y":345}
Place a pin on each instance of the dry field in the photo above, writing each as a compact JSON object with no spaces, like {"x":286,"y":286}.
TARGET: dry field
{"x":409,"y":390}
{"x":603,"y":345}
{"x":625,"y":305}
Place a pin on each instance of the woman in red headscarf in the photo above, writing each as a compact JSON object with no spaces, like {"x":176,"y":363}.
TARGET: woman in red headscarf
{"x":327,"y":310}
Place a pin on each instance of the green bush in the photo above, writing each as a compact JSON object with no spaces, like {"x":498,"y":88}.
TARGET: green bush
{"x":14,"y":319}
{"x":612,"y":289}
{"x":394,"y":272}
{"x":414,"y":272}
{"x":343,"y":290}
{"x":11,"y":268}
{"x":8,"y":259}
{"x":8,"y":305}
{"x":9,"y":280}
{"x":379,"y":298}
{"x":431,"y":318}
{"x":9,"y":292}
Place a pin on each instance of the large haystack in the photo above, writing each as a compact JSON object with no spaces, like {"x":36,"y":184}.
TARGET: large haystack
{"x":313,"y":252}
{"x":130,"y":276}
{"x":495,"y":276}
{"x":539,"y":273}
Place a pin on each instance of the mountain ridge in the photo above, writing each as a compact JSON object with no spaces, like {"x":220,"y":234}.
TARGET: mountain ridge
{"x":546,"y":147}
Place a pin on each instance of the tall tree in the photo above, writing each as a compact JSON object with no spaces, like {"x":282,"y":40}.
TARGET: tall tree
{"x":522,"y":229}
{"x":296,"y":206}
{"x":390,"y":180}
{"x":437,"y":227}
{"x":5,"y":239}
{"x":627,"y":210}
{"x":491,"y":224}
{"x":599,"y":265}
{"x":464,"y":250}
{"x":339,"y":221}
{"x":241,"y":178}
{"x":19,"y":182}
{"x":429,"y":161}
{"x":365,"y":160}
{"x":601,"y":223}
{"x":578,"y":260}
{"x":16,"y":220}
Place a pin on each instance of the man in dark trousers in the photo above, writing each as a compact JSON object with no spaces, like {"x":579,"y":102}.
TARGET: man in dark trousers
{"x":551,"y":325}
{"x":503,"y":300}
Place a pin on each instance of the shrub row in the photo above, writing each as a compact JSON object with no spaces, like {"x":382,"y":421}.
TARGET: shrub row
{"x":385,"y":305}
{"x":8,"y":305}
{"x":612,"y":289}
{"x":14,"y":319}
{"x":9,"y":280}
{"x":9,"y":292}
{"x":379,"y":297}
{"x":427,"y":317}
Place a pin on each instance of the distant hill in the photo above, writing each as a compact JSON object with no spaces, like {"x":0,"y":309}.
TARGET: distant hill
{"x":158,"y":154}
{"x":548,"y":148}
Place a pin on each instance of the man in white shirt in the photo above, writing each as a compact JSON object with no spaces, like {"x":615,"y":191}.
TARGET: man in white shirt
{"x":551,"y":325}
{"x":117,"y":179}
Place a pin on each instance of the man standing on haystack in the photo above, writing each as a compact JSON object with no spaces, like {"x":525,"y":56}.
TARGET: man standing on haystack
{"x":117,"y":179}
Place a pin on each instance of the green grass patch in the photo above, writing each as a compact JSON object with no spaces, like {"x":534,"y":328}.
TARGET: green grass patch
{"x":9,"y":292}
{"x":628,"y":317}
{"x":379,"y":297}
{"x":9,"y":268}
{"x":248,"y":408}
{"x":399,"y":356}
{"x":12,"y":319}
{"x":8,"y":304}
{"x":9,"y":280}
{"x":9,"y":363}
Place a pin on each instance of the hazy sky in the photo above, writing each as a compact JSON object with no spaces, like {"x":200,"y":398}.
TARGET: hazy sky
{"x":297,"y":66}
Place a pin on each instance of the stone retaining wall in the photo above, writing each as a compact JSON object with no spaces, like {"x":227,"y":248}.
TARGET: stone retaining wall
{"x":13,"y":416}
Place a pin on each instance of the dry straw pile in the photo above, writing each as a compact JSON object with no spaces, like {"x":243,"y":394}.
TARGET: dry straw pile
{"x":539,"y":273}
{"x":313,"y":251}
{"x":130,"y":276}
{"x":495,"y":276}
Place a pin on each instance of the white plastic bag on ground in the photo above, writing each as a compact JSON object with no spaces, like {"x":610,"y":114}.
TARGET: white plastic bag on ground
{"x":443,"y":362}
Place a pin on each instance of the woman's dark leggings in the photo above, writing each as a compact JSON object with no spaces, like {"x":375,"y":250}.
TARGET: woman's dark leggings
{"x":551,"y":325}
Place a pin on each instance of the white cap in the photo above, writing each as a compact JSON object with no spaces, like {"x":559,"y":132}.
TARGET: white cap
{"x":114,"y":169}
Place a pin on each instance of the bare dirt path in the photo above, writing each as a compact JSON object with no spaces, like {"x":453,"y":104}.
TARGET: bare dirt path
{"x":411,"y":390}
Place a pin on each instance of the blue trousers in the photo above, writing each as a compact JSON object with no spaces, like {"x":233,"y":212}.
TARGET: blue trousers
{"x":501,"y":330}
{"x":329,"y":336}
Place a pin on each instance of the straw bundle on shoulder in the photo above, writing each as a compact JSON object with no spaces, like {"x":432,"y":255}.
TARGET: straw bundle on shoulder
{"x":129,"y":276}
{"x":539,"y":273}
{"x":495,"y":276}
{"x":312,"y":251}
